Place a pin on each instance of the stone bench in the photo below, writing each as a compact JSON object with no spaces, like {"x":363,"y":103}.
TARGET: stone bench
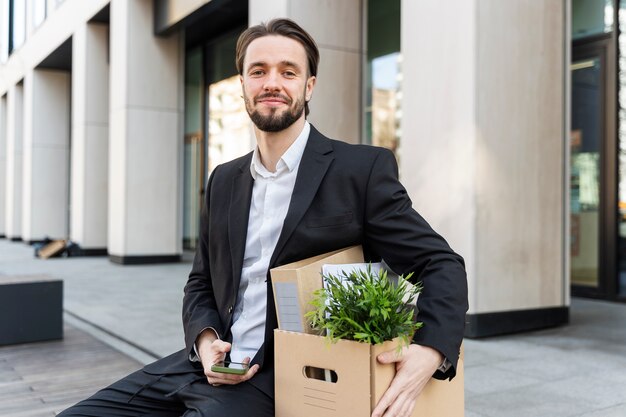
{"x":31,"y":309}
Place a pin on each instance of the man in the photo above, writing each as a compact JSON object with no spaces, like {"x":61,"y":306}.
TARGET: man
{"x":299,"y":194}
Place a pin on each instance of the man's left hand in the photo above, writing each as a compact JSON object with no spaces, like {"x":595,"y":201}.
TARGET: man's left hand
{"x":415,"y":365}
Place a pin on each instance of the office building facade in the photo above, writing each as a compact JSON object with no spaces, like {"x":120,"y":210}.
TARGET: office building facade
{"x":114,"y":112}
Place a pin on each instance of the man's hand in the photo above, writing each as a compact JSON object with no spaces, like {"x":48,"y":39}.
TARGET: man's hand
{"x":415,"y":365}
{"x":212,"y":350}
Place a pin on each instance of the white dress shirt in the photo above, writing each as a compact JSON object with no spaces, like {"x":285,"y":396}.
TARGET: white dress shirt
{"x":271,"y":195}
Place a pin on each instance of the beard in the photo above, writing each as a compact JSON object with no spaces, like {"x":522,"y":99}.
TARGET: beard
{"x":275,"y":121}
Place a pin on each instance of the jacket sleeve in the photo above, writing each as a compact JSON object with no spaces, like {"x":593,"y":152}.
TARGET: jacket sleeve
{"x":407,"y":243}
{"x":199,"y":306}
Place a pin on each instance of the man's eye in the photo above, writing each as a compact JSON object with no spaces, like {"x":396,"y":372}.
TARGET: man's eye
{"x":257,"y":72}
{"x":289,"y":74}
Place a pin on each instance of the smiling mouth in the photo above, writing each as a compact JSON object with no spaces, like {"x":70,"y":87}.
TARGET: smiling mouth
{"x":272,"y":100}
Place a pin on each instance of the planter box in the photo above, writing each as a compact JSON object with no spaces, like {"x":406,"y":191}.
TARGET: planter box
{"x":31,"y":309}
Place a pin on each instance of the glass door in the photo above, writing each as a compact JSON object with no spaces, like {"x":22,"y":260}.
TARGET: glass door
{"x":593,"y":190}
{"x":194,"y":158}
{"x":585,"y":141}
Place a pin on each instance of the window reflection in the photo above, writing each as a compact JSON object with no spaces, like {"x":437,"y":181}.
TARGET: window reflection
{"x":4,"y":36}
{"x":384,"y":74}
{"x":193,"y":148}
{"x":19,"y":23}
{"x":230,"y":134}
{"x":585,"y":140}
{"x":591,"y":17}
{"x":386,"y":100}
{"x":39,"y":12}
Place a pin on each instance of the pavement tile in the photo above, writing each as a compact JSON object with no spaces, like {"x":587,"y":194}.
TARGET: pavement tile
{"x":617,"y":411}
{"x":529,"y":401}
{"x":487,"y":379}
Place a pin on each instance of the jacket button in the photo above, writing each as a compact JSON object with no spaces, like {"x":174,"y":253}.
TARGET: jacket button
{"x":230,"y":309}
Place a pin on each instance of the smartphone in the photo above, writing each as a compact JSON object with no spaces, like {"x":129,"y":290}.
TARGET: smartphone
{"x":227,"y":367}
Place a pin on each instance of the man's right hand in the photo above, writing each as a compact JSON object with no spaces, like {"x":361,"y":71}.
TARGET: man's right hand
{"x":212,"y":350}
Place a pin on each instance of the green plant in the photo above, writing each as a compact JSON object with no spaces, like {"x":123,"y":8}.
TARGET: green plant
{"x":366,"y":307}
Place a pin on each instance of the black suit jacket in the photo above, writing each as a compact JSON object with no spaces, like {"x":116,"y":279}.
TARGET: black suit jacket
{"x":344,"y":195}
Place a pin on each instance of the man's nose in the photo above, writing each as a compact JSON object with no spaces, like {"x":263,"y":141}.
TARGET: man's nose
{"x":272,"y":81}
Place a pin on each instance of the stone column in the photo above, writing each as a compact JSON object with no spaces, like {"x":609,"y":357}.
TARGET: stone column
{"x":45,"y":199}
{"x":3,"y":163}
{"x":13,"y":180}
{"x":337,"y":28}
{"x":90,"y":138}
{"x":483,"y":149}
{"x":145,"y":138}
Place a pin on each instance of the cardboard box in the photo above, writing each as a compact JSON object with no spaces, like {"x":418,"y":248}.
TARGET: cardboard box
{"x":359,"y":380}
{"x":294,"y":284}
{"x":305,"y":363}
{"x":52,"y":249}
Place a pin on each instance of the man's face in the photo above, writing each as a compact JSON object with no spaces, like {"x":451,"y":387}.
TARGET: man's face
{"x":275,"y":82}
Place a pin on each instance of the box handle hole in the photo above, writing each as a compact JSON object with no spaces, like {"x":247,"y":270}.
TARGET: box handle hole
{"x":326,"y":375}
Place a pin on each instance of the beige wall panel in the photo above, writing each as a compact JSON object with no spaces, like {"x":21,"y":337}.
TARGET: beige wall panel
{"x":145,"y":135}
{"x":333,"y":24}
{"x":90,"y":142}
{"x":15,"y":124}
{"x":117,"y":220}
{"x":152,"y":193}
{"x":519,"y":158}
{"x":265,"y":10}
{"x":438,"y":120}
{"x":335,"y":104}
{"x":96,"y":176}
{"x":45,"y":200}
{"x":157,"y":87}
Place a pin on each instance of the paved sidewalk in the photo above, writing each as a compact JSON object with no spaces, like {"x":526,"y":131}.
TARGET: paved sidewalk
{"x":575,"y":370}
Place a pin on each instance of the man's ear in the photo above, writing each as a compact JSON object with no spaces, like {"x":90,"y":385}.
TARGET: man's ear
{"x":310,"y":85}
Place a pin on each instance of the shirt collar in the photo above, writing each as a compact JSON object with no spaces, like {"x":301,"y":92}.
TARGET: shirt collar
{"x":290,"y":159}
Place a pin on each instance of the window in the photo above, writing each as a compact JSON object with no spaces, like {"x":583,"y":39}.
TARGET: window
{"x":18,"y":24}
{"x":384,"y":74}
{"x":38,"y":12}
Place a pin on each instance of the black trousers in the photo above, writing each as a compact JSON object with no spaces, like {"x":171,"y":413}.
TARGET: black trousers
{"x":188,"y":395}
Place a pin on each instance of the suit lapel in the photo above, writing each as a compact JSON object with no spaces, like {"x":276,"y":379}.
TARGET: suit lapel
{"x":238,"y":215}
{"x":315,"y":161}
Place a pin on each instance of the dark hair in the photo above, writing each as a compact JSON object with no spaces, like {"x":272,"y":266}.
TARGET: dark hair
{"x":281,"y":27}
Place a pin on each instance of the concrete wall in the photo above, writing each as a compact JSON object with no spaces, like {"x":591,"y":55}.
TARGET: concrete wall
{"x":483,"y":117}
{"x":145,"y":135}
{"x":520,"y":158}
{"x":337,"y":28}
{"x":13,"y":180}
{"x":90,"y":136}
{"x":45,"y":178}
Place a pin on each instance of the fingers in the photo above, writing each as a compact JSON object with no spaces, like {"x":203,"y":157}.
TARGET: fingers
{"x":391,"y":356}
{"x":220,"y":346}
{"x":395,"y":403}
{"x":415,"y":366}
{"x":218,"y":378}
